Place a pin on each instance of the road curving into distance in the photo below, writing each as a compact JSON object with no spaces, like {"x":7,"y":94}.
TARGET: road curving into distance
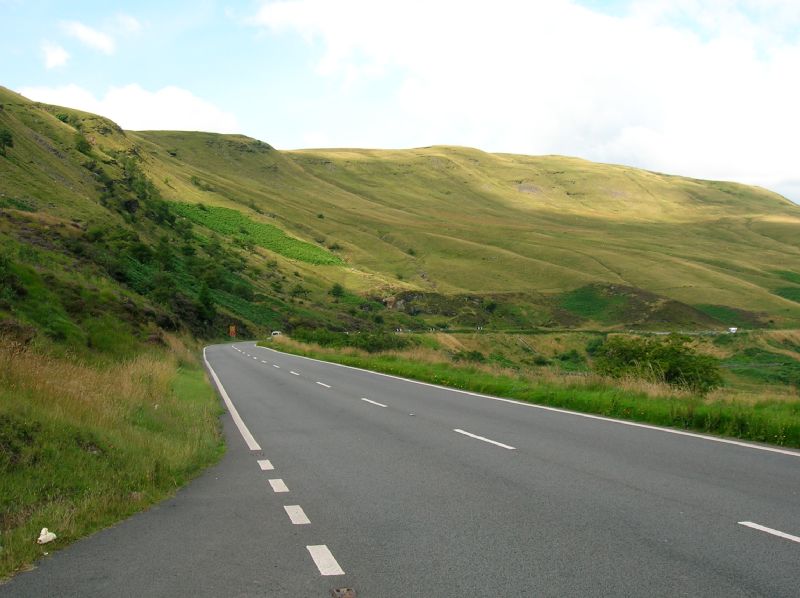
{"x":338,"y":479}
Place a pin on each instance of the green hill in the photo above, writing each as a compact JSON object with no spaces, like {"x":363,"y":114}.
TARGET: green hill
{"x":459,"y":221}
{"x":121,"y":252}
{"x":526,"y":233}
{"x":434,"y":232}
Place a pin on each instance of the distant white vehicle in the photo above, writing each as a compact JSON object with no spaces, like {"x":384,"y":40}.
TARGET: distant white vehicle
{"x":733,"y":329}
{"x":276,"y":333}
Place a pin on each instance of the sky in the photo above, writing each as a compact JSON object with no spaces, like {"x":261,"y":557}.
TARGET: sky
{"x":703,"y":88}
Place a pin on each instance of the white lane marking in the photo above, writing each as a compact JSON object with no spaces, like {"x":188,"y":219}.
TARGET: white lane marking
{"x":294,"y":373}
{"x":248,"y":437}
{"x":489,"y":440}
{"x":254,"y":357}
{"x":769,"y":530}
{"x":324,"y":560}
{"x":265,"y":465}
{"x":278,"y":485}
{"x":373,"y":402}
{"x":296,"y":514}
{"x":275,"y":365}
{"x":622,"y":422}
{"x":262,"y":361}
{"x":323,"y":384}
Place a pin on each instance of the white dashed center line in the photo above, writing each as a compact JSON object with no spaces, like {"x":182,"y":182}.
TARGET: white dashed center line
{"x":278,"y":485}
{"x":323,"y":384}
{"x":296,"y":514}
{"x":275,"y":365}
{"x":769,"y":530}
{"x":294,"y":373}
{"x":476,"y":437}
{"x":262,"y":361}
{"x":373,"y":402}
{"x":324,"y":560}
{"x":265,"y":465}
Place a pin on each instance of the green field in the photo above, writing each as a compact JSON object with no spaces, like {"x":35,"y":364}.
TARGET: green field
{"x":521,"y":230}
{"x":458,"y":221}
{"x":239,"y":227}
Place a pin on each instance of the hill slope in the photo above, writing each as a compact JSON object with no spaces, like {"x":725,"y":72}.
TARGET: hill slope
{"x":438,"y":233}
{"x":457,"y":220}
{"x":119,"y":251}
{"x":91,"y":253}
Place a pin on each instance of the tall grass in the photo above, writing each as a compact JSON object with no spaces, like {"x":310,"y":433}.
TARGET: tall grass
{"x":776,"y":422}
{"x":82,"y":445}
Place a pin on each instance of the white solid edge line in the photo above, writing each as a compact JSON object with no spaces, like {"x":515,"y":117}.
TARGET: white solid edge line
{"x":558,"y":410}
{"x":296,"y":514}
{"x":237,"y":419}
{"x":769,"y":530}
{"x":489,"y":440}
{"x":294,"y":373}
{"x":323,"y":384}
{"x":324,"y":560}
{"x":373,"y":402}
{"x":265,"y":465}
{"x":278,"y":485}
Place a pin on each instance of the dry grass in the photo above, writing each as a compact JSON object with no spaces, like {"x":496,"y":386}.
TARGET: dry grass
{"x":534,"y":376}
{"x":753,"y":396}
{"x":83,"y":393}
{"x":185,"y":349}
{"x":448,"y":341}
{"x":84,"y":444}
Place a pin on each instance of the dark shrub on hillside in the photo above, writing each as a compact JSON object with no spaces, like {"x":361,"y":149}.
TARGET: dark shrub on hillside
{"x":82,"y":145}
{"x":594,"y":345}
{"x":475,"y":356}
{"x":6,"y":140}
{"x":18,"y":442}
{"x":11,"y":286}
{"x":669,"y":360}
{"x":371,"y":342}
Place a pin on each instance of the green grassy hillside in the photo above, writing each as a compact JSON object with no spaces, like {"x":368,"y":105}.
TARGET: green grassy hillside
{"x":121,"y":252}
{"x":92,"y":250}
{"x":529,"y":234}
{"x":460,"y":221}
{"x":106,"y":291}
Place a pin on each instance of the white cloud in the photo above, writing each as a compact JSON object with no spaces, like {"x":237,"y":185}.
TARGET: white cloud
{"x":88,"y":36}
{"x":706,"y":88}
{"x":54,"y":55}
{"x":128,"y":24}
{"x":134,"y":108}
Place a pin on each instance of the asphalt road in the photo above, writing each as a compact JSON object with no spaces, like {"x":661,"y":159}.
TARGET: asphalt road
{"x":339,"y":478}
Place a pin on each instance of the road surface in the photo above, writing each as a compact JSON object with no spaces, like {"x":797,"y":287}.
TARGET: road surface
{"x":341,"y":479}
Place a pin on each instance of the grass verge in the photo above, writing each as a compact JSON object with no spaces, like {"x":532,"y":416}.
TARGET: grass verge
{"x":774,"y":422}
{"x":83,"y":446}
